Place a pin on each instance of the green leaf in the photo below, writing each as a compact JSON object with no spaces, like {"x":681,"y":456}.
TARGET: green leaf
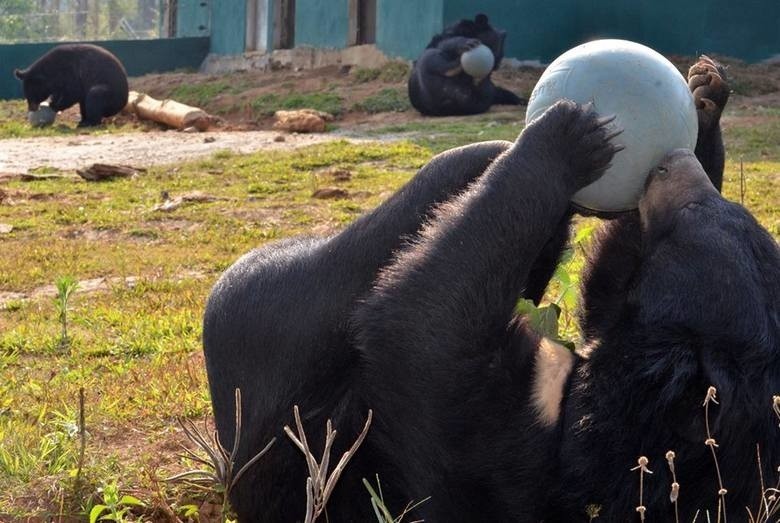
{"x":131,"y":500}
{"x":584,"y":233}
{"x":543,"y":320}
{"x":95,"y":512}
{"x":548,"y":320}
{"x":562,"y":275}
{"x":189,"y":511}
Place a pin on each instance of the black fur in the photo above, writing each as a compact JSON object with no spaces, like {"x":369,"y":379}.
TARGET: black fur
{"x":438,"y":87}
{"x":250,"y":343}
{"x":693,"y":303}
{"x":82,"y":74}
{"x":423,"y":333}
{"x":480,"y":29}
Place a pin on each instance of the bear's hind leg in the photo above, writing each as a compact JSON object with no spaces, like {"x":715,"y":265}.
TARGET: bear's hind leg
{"x":93,"y":106}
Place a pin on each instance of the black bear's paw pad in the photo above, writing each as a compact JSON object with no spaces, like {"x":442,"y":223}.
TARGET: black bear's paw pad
{"x":708,"y":82}
{"x":585,"y":138}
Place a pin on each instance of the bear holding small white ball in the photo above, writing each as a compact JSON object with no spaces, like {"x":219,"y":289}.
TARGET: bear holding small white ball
{"x":452,"y":75}
{"x":70,"y":74}
{"x":471,"y":408}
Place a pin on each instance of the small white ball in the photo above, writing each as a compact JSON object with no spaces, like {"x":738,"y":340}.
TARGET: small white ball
{"x":648,"y":95}
{"x":478,"y":62}
{"x":44,"y":116}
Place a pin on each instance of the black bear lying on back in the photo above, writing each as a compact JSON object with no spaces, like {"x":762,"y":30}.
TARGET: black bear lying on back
{"x":438,"y":86}
{"x":471,"y":407}
{"x":83,"y":74}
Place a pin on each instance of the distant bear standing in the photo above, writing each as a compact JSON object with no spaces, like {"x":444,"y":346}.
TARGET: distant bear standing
{"x":82,"y":74}
{"x":438,"y":86}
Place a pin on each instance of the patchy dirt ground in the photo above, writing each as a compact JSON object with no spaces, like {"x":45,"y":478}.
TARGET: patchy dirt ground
{"x":245,"y":123}
{"x":19,"y":156}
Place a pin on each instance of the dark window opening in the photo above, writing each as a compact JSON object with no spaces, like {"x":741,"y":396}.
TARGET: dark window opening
{"x":284,"y":24}
{"x":362,"y":22}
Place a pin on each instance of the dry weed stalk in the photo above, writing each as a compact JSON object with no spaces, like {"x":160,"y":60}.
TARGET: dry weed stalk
{"x":320,"y":485}
{"x":770,"y":497}
{"x":642,"y":467}
{"x":675,"y":492}
{"x":82,"y":437}
{"x":712,"y":444}
{"x":220,"y":464}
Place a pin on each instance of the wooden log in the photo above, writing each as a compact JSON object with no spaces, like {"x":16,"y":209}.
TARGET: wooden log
{"x":103,"y":171}
{"x":168,"y":112}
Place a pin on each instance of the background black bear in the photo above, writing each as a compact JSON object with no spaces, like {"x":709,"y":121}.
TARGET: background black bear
{"x":480,"y":29}
{"x":439,"y":87}
{"x":433,"y":348}
{"x":82,"y":74}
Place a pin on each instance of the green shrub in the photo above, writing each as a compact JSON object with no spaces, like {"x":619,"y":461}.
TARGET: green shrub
{"x":387,"y":100}
{"x":268,"y":104}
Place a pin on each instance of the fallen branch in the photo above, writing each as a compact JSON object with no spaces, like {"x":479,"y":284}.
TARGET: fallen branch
{"x":103,"y":171}
{"x":168,"y":112}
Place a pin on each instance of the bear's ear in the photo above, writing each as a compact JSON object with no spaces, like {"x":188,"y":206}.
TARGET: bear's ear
{"x":481,"y":19}
{"x":20,"y":74}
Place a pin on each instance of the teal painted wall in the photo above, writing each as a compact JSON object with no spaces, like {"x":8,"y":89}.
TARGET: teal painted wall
{"x":138,"y":56}
{"x":542,"y":30}
{"x":535,"y":30}
{"x":321,"y":23}
{"x":228,"y":26}
{"x":193,"y":18}
{"x":404,"y":27}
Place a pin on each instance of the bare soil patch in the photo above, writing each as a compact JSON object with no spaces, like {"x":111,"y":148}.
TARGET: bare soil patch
{"x":69,"y":153}
{"x":241,"y":130}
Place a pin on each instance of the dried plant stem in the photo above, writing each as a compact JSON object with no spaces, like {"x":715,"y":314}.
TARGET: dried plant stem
{"x":741,"y":182}
{"x":82,"y":436}
{"x":642,"y":467}
{"x":319,"y":484}
{"x":220,"y":465}
{"x":675,"y":492}
{"x":711,"y":397}
{"x":770,"y":497}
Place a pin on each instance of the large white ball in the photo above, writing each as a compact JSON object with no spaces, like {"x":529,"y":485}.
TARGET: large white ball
{"x":648,"y":95}
{"x":44,"y":116}
{"x":478,"y":62}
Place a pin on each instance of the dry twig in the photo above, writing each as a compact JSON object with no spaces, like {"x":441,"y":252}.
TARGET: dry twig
{"x":319,"y":484}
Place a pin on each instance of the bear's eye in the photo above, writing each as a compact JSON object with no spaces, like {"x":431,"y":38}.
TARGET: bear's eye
{"x":661,"y":170}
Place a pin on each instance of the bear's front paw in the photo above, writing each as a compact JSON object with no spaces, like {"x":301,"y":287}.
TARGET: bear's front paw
{"x":469,"y":44}
{"x":708,"y":82}
{"x":576,"y":135}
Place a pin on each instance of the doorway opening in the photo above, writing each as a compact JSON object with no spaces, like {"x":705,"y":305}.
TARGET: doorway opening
{"x":362,"y":22}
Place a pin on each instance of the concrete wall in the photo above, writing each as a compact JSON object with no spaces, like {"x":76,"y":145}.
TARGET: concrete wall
{"x":138,"y":56}
{"x":404,"y":27}
{"x":321,"y":23}
{"x":542,"y":30}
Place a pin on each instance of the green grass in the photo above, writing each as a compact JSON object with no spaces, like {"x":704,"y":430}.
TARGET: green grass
{"x":387,"y":100}
{"x":199,"y":94}
{"x":394,"y":71}
{"x":135,"y":348}
{"x":13,"y":124}
{"x":439,"y":134}
{"x":268,"y":104}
